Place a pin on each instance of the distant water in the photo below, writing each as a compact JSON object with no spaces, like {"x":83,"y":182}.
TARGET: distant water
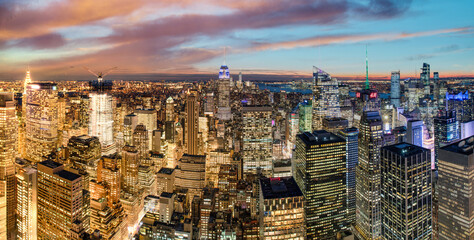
{"x":280,"y":88}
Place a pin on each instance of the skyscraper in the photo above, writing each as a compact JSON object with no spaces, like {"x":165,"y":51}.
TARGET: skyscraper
{"x":305,"y":112}
{"x":351,"y":135}
{"x":170,"y":120}
{"x":101,"y":120}
{"x":84,"y":152}
{"x":446,"y":130}
{"x":368,"y":219}
{"x":456,"y":196}
{"x":325,"y":97}
{"x":129,"y":169}
{"x":26,"y":208}
{"x":191,"y":174}
{"x":395,"y":89}
{"x":425,"y":78}
{"x":320,"y":172}
{"x":257,"y":139}
{"x":148,"y":118}
{"x":406,"y":192}
{"x":414,"y":133}
{"x":223,"y":100}
{"x":281,"y":209}
{"x":8,"y":147}
{"x":41,"y":120}
{"x":192,"y":123}
{"x":60,"y":203}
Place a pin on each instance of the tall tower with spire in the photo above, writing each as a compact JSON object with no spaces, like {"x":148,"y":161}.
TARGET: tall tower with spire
{"x":27,"y":80}
{"x":366,"y":70}
{"x":223,"y":100}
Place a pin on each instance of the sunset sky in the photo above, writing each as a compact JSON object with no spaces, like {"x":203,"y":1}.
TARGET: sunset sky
{"x":57,"y":38}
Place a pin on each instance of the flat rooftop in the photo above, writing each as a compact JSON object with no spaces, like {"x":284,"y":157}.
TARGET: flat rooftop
{"x":319,"y":137}
{"x":465,"y":146}
{"x":405,"y":149}
{"x":167,"y":171}
{"x":67,"y":175}
{"x":50,"y":164}
{"x":283,"y":187}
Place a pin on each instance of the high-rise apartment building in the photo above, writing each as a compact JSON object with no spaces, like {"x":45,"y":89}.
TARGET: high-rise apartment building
{"x":406,"y":192}
{"x":8,"y":147}
{"x":192,"y":123}
{"x":455,"y":192}
{"x":257,"y":139}
{"x":368,"y":219}
{"x":320,"y":172}
{"x":60,"y":202}
{"x":395,"y":89}
{"x":414,"y":134}
{"x":41,"y":120}
{"x":26,"y":208}
{"x":325,"y":97}
{"x":351,"y":135}
{"x":281,"y":209}
{"x":84,"y":152}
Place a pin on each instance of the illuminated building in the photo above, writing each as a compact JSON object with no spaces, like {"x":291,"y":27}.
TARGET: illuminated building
{"x":325,"y":97}
{"x":209,"y":106}
{"x":101,"y":120}
{"x":84,"y":152}
{"x":26,"y":217}
{"x":461,"y":104}
{"x":216,"y":159}
{"x":192,"y":123}
{"x":351,"y":135}
{"x":41,"y":120}
{"x":8,"y":147}
{"x":223,"y":98}
{"x":467,"y":129}
{"x":395,"y":89}
{"x":292,"y":129}
{"x":414,"y":134}
{"x":368,"y":219}
{"x":320,"y":171}
{"x":228,"y":178}
{"x":141,"y":141}
{"x":334,"y":125}
{"x":425,"y":78}
{"x":209,"y":203}
{"x":148,"y":118}
{"x":281,"y":209}
{"x":257,"y":139}
{"x":367,"y":100}
{"x":436,"y":88}
{"x":156,"y":141}
{"x":129,"y":169}
{"x":170,"y":120}
{"x":190,"y":173}
{"x":60,"y":202}
{"x":455,"y":192}
{"x":129,"y":124}
{"x":108,"y":172}
{"x":165,"y":180}
{"x":305,"y":112}
{"x":406,"y":192}
{"x":446,"y":130}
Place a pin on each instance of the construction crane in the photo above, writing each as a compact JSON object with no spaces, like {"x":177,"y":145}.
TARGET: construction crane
{"x":100,"y":75}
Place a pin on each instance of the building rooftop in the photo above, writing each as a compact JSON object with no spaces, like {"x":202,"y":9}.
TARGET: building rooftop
{"x":166,"y":195}
{"x":256,"y":108}
{"x":68,"y":175}
{"x":167,"y":171}
{"x":50,"y":164}
{"x":464,"y":146}
{"x":283,"y":187}
{"x":405,"y":149}
{"x":319,"y":137}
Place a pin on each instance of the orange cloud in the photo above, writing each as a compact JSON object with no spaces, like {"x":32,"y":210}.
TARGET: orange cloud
{"x":341,"y":39}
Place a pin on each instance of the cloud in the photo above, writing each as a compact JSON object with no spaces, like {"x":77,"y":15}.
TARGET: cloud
{"x":51,"y":40}
{"x":354,"y":38}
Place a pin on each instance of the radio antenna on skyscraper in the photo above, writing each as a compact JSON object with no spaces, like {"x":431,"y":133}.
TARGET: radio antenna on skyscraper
{"x":100,"y":75}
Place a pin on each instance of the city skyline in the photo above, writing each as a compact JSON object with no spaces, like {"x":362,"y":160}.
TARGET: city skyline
{"x":150,"y":40}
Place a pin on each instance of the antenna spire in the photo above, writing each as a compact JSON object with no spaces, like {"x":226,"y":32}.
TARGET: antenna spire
{"x":366,"y":69}
{"x":225,"y":55}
